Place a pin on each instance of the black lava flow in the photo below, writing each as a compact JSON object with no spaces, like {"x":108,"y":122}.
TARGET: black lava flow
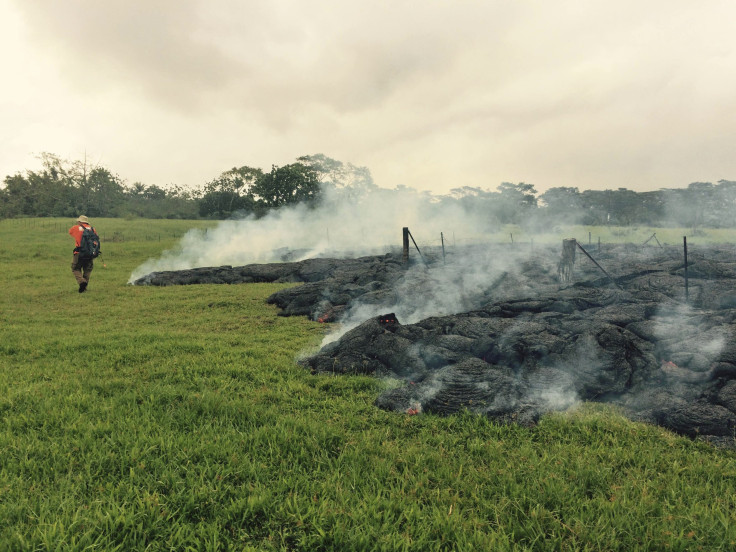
{"x":529,"y":344}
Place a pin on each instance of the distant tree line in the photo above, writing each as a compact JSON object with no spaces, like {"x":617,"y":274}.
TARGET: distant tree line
{"x":700,"y":204}
{"x":66,"y":189}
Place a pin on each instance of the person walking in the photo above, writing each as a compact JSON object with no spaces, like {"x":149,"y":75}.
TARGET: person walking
{"x":81,"y":265}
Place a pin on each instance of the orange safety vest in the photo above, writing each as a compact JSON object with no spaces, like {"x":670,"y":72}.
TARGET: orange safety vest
{"x":76,"y":232}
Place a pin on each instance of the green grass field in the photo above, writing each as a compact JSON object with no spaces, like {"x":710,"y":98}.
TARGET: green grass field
{"x":141,"y":418}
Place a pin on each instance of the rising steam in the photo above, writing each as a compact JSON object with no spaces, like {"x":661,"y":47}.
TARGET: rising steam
{"x":343,"y":225}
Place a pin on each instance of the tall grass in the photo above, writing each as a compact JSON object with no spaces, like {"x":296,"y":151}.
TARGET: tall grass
{"x":142,"y":418}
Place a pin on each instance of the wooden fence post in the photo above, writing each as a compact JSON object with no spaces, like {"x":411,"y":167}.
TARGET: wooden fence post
{"x":567,"y":261}
{"x":405,"y":245}
{"x":687,"y":291}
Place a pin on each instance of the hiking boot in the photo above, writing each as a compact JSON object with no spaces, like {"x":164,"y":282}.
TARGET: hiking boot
{"x":82,"y":287}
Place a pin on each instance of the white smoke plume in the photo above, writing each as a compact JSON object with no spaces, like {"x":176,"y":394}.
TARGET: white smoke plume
{"x":692,"y":346}
{"x":463,"y":284}
{"x":342,"y":225}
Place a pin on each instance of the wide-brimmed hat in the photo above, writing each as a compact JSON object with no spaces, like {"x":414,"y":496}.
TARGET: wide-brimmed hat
{"x":83,"y":219}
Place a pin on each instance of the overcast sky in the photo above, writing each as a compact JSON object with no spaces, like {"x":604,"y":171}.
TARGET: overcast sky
{"x":429,"y":94}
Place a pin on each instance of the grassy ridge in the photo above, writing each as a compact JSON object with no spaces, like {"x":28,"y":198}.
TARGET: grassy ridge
{"x":139,"y":418}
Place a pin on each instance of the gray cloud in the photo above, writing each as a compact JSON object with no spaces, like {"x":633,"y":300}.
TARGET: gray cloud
{"x":432,"y":95}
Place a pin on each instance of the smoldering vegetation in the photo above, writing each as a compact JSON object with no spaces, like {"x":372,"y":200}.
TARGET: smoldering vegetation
{"x":492,"y":330}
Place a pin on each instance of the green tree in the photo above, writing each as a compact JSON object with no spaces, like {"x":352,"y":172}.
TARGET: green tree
{"x":515,"y":202}
{"x":349,"y":181}
{"x":695,"y":206}
{"x":49,"y":192}
{"x":294,"y":183}
{"x":230,"y":193}
{"x":101,"y":193}
{"x":561,"y":200}
{"x":16,"y":197}
{"x":702,"y":200}
{"x":154,"y":193}
{"x":329,"y":171}
{"x":157,"y":202}
{"x":725,"y":201}
{"x":651,"y":208}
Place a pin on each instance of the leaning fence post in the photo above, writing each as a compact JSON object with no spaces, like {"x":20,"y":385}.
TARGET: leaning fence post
{"x":596,"y":264}
{"x":417,"y":247}
{"x":442,"y":238}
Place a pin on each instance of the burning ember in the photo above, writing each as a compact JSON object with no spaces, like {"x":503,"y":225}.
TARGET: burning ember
{"x":385,"y":319}
{"x":326,"y":317}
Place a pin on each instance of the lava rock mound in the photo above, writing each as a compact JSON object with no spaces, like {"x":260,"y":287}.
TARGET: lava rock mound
{"x":329,"y":285}
{"x":517,"y":343}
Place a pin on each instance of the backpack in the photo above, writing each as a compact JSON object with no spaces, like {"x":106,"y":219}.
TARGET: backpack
{"x":89,"y":245}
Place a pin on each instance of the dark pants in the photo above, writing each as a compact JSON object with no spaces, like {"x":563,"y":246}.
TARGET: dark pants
{"x":81,"y":268}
